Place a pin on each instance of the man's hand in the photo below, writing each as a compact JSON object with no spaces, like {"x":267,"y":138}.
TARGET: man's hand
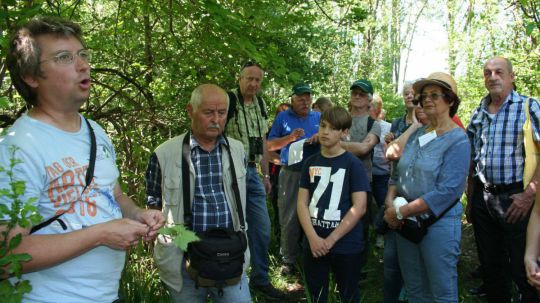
{"x":296,"y":134}
{"x":318,"y":246}
{"x":533,"y":271}
{"x":389,"y":137}
{"x":391,"y":218}
{"x":329,"y":242}
{"x":121,"y":233}
{"x":153,"y":219}
{"x":267,"y":185}
{"x":314,"y":139}
{"x":519,"y":208}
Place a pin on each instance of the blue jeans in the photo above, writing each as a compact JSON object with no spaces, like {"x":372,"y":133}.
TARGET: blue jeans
{"x":238,"y":293}
{"x":258,"y":231}
{"x":392,"y":272}
{"x":346,"y":269}
{"x":430,"y":268}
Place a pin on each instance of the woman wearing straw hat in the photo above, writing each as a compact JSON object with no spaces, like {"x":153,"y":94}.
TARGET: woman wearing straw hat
{"x":430,"y":178}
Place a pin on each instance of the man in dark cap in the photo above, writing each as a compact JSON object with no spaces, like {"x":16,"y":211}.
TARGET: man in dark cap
{"x":298,"y":122}
{"x":365,"y":133}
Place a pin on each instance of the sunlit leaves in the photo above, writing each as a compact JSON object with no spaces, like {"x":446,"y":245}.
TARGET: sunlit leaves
{"x":180,"y":234}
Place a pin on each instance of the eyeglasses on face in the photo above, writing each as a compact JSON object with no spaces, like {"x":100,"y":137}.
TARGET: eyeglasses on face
{"x":66,"y":58}
{"x":432,"y":96}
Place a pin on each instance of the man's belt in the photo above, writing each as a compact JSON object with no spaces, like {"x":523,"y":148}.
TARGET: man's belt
{"x":497,"y":189}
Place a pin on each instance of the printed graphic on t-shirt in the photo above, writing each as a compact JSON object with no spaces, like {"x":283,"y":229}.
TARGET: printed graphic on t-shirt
{"x":64,"y":191}
{"x":68,"y":179}
{"x":331,"y":215}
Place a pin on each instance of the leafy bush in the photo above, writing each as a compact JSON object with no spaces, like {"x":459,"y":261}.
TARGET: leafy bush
{"x":22,"y":214}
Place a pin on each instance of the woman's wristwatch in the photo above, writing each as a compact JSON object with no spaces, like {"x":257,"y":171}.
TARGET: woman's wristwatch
{"x":399,"y":216}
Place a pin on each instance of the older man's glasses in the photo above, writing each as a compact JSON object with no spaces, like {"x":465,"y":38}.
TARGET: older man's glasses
{"x":432,"y":96}
{"x":66,"y":58}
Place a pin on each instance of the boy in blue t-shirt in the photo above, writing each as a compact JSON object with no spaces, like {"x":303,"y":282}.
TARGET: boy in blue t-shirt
{"x":331,"y":201}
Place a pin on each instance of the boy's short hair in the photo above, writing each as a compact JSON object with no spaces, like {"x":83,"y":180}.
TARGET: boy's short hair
{"x":24,"y":51}
{"x":338,"y":117}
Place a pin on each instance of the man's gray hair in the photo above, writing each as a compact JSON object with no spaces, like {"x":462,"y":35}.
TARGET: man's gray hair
{"x":197,"y":94}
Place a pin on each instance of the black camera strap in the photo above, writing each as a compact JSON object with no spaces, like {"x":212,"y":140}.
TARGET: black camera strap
{"x":188,"y":219}
{"x":88,"y":180}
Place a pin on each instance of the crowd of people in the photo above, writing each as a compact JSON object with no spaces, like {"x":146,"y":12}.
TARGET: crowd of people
{"x":330,"y":173}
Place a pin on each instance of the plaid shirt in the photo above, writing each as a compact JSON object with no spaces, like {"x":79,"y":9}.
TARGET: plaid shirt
{"x":209,"y":207}
{"x":497,"y":140}
{"x":257,"y":125}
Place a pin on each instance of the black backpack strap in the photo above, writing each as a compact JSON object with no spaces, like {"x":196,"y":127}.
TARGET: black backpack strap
{"x":370,"y":122}
{"x":262,"y":107}
{"x":88,"y":180}
{"x":231,"y":112}
{"x":186,"y":188}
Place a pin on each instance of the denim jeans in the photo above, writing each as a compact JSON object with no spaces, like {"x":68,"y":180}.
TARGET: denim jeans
{"x":238,"y":293}
{"x":501,"y":247}
{"x":258,"y":231}
{"x":346,"y":269}
{"x":392,"y":272}
{"x":430,"y":268}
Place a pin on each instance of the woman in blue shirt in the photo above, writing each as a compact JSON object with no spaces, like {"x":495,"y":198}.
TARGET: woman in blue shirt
{"x":430,"y":175}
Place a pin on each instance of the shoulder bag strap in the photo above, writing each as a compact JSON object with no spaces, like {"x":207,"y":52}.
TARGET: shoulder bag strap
{"x":433,"y":220}
{"x":186,"y":181}
{"x":88,"y":180}
{"x":236,"y":189}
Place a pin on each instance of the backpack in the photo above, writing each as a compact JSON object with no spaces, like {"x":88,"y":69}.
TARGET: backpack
{"x":370,"y":122}
{"x":233,"y":100}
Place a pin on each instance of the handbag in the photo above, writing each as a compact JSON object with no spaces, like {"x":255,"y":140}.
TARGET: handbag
{"x":415,"y":231}
{"x":217,"y":260}
{"x":531,"y":152}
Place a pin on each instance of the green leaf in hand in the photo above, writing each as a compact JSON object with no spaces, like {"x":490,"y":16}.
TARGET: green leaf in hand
{"x":180,"y":234}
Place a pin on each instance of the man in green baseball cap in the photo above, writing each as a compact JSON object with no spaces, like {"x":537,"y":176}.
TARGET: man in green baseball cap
{"x":300,"y":89}
{"x":364,"y":85}
{"x":365,"y":132}
{"x":297,"y":123}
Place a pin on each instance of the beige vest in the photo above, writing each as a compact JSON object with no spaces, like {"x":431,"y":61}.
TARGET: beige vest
{"x":169,"y":258}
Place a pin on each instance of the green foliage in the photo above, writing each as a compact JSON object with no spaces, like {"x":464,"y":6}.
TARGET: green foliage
{"x":21,"y":214}
{"x":140,"y":279}
{"x":180,"y":234}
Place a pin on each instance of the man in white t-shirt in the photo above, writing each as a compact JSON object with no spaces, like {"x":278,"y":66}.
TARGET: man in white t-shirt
{"x":79,"y":256}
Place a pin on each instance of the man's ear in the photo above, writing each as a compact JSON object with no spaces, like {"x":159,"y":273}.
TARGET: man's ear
{"x":189,"y":108}
{"x":31,"y":81}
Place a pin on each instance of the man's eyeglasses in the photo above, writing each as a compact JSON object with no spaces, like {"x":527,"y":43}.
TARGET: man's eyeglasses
{"x":250,"y":64}
{"x":66,"y":58}
{"x":432,"y":96}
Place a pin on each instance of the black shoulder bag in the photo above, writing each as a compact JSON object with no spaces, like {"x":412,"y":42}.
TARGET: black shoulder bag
{"x":216,"y":260}
{"x":415,"y":231}
{"x":88,"y":180}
